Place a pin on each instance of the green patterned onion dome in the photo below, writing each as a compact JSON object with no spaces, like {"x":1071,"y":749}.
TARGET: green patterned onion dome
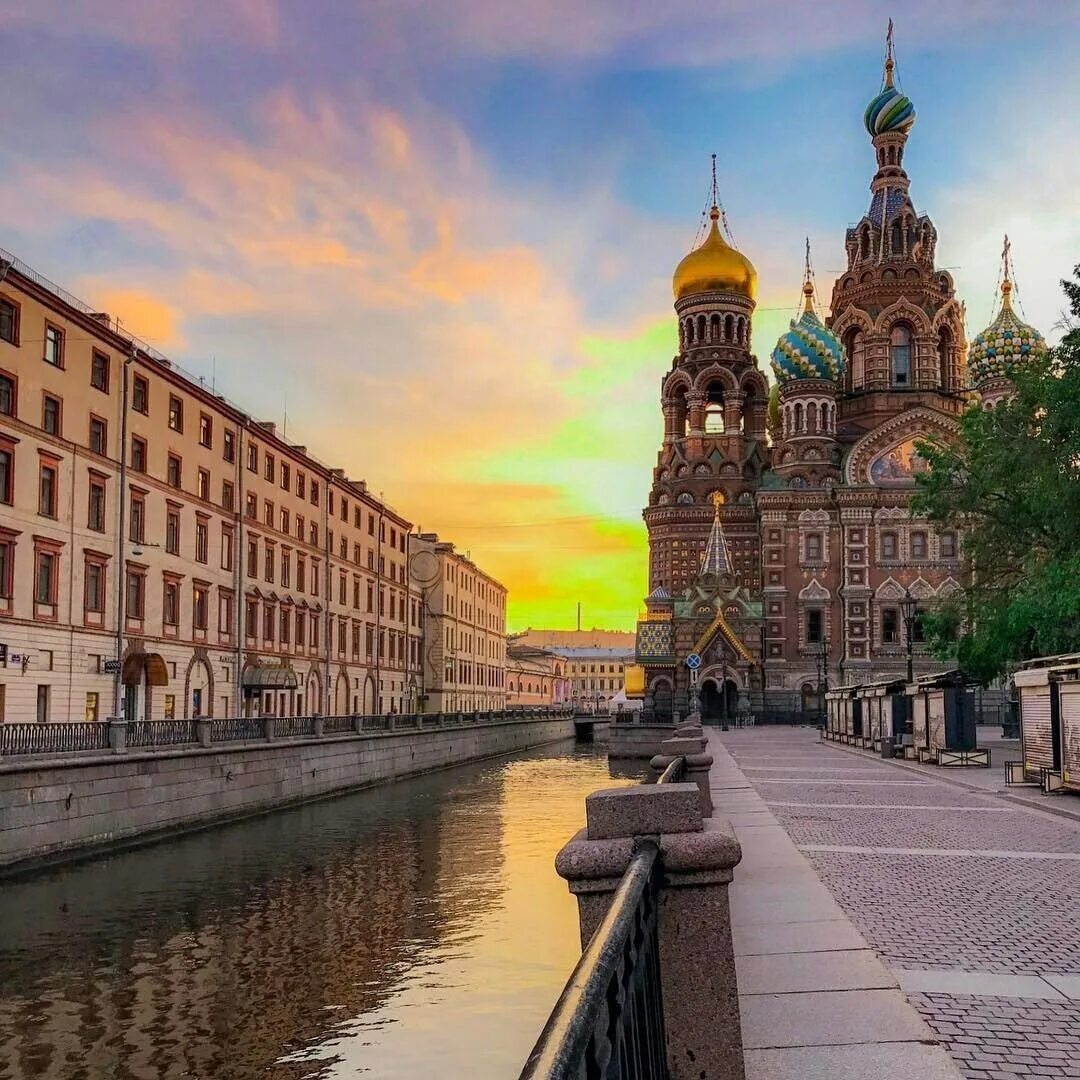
{"x":1004,"y":344}
{"x":808,"y":350}
{"x":889,"y":111}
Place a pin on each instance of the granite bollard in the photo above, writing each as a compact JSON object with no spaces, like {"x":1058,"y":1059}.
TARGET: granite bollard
{"x":697,"y":965}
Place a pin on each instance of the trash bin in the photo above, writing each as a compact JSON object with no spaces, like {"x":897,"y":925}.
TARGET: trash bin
{"x":887,"y":748}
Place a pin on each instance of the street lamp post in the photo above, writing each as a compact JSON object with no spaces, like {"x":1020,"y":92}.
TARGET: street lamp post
{"x":823,"y":670}
{"x":908,"y":608}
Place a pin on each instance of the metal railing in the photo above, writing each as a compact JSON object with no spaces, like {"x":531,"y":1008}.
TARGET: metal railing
{"x":674,"y":773}
{"x":18,"y":739}
{"x":338,"y":725}
{"x":237,"y":729}
{"x":608,"y":1023}
{"x":294,"y":726}
{"x":25,"y":740}
{"x":152,"y":733}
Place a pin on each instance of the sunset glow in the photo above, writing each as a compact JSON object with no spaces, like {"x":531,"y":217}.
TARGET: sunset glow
{"x":437,"y":248}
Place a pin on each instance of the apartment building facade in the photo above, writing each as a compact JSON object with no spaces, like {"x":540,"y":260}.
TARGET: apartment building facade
{"x":464,"y":619}
{"x":596,"y":662}
{"x":251,"y":577}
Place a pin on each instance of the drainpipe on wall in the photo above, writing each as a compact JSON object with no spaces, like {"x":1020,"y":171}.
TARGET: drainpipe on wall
{"x":239,"y":600}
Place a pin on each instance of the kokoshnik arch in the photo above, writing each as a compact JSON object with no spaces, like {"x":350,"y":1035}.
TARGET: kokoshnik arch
{"x":784,"y":565}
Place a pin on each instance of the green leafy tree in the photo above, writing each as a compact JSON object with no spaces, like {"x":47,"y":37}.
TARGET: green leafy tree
{"x":1011,"y":486}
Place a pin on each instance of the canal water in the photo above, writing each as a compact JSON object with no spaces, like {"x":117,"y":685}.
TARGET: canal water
{"x":413,"y":930}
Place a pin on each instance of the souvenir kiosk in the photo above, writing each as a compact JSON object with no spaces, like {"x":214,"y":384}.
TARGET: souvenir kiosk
{"x":943,"y":721}
{"x":1049,"y":690}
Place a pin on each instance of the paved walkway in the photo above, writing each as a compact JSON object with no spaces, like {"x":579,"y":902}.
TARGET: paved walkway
{"x":889,"y":876}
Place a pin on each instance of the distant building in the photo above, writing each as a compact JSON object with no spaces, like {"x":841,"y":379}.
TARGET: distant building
{"x":597,"y":661}
{"x":535,"y":676}
{"x":464,"y":628}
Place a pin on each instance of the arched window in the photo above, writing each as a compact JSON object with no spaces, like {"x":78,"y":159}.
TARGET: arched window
{"x":714,"y":328}
{"x":811,"y":417}
{"x":944,"y":350}
{"x":900,"y":354}
{"x":853,"y":371}
{"x":865,"y":249}
{"x":690,"y":331}
{"x":729,"y":328}
{"x":742,"y":330}
{"x":701,"y":328}
{"x":798,"y":418}
{"x":896,"y":239}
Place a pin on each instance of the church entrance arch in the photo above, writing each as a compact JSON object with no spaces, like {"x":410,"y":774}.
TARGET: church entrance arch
{"x":719,"y":699}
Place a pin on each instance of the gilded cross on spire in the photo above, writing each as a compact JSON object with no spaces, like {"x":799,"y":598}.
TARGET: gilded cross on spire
{"x":1006,"y":274}
{"x":808,"y":281}
{"x":890,"y":58}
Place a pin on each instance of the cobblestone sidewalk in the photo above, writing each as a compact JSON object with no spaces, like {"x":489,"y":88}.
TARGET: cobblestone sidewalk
{"x":942,"y":880}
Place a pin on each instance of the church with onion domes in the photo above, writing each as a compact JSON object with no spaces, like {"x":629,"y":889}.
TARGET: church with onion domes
{"x":782,"y":549}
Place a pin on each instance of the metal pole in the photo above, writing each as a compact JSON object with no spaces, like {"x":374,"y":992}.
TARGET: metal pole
{"x":121,"y":576}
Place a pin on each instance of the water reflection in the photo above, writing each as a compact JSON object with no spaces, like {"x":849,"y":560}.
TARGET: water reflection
{"x":412,"y":930}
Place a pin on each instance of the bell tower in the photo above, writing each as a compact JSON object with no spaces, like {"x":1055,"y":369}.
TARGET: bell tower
{"x":898,"y":317}
{"x":714,"y":401}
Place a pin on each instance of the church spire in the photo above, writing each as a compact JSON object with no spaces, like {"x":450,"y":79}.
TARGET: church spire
{"x":716,"y":562}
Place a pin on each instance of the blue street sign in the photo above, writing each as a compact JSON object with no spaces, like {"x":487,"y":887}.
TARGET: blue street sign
{"x":693,"y":661}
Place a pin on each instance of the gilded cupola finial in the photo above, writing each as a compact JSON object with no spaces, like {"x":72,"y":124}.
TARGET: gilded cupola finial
{"x":808,"y":282}
{"x":890,"y":59}
{"x":715,"y":265}
{"x":1006,"y":274}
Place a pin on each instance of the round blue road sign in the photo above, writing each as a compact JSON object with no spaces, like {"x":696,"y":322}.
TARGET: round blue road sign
{"x":693,"y":661}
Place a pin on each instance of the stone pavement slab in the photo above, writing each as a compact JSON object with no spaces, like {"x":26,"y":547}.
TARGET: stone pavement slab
{"x":1069,"y":985}
{"x":863,"y":1061}
{"x":983,"y":983}
{"x":829,"y":1018}
{"x":796,"y":973}
{"x":792,"y":938}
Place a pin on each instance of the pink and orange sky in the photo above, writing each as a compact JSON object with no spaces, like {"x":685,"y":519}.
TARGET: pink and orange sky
{"x":439,"y":237}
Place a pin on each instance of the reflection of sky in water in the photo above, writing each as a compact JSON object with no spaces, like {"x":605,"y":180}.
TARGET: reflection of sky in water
{"x":417,"y":929}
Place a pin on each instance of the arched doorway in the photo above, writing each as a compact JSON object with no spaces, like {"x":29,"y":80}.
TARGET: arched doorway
{"x":662,"y":699}
{"x":719,"y":700}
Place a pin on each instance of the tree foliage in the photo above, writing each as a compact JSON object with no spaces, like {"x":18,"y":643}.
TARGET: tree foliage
{"x":1011,"y":487}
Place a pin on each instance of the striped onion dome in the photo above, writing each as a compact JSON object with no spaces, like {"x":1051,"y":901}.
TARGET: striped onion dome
{"x":809,"y":350}
{"x":890,"y":110}
{"x":1004,"y":344}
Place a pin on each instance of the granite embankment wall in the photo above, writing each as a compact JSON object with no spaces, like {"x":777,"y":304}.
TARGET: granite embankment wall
{"x":58,"y":807}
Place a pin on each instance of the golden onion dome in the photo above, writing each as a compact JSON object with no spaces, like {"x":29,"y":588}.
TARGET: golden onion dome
{"x":715,"y":266}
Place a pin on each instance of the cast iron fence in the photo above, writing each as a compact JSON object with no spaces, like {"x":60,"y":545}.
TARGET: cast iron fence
{"x":17,"y":739}
{"x":237,"y":729}
{"x":25,"y":740}
{"x":608,"y":1023}
{"x":151,"y":733}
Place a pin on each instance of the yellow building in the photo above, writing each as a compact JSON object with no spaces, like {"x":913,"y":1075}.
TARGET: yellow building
{"x":254,"y":576}
{"x":464,"y":628}
{"x":535,"y":676}
{"x":596,"y":661}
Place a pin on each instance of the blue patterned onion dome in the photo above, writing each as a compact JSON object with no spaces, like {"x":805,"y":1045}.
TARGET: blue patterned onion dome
{"x":889,"y":111}
{"x":809,"y":350}
{"x":1004,"y":344}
